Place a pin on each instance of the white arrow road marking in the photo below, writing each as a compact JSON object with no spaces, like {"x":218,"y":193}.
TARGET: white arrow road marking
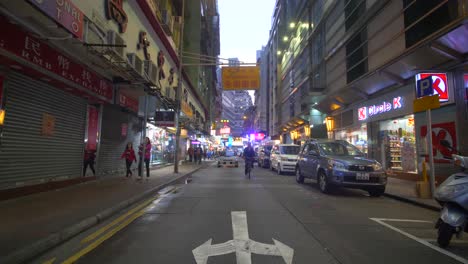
{"x":242,"y":245}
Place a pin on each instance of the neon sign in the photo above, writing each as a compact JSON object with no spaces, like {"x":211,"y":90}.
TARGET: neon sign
{"x":225,"y":130}
{"x":376,"y":109}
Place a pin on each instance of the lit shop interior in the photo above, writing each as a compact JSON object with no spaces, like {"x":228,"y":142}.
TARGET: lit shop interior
{"x":398,"y":144}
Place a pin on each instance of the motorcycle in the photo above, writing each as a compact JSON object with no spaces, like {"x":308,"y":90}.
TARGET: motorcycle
{"x":452,"y":195}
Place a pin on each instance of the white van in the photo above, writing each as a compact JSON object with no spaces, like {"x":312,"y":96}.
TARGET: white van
{"x":283,"y":158}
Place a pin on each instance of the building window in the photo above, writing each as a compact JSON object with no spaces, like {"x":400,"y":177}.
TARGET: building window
{"x":431,"y":23}
{"x":356,"y":56}
{"x":354,"y":9}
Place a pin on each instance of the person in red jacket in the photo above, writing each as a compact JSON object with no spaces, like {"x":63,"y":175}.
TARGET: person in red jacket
{"x":129,"y":156}
{"x":147,"y":147}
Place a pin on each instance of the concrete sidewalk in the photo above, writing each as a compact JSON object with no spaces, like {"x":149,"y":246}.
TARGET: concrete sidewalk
{"x":32,"y":224}
{"x":405,"y":190}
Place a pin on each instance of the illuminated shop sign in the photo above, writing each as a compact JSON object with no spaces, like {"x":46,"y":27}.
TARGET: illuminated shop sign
{"x":439,"y":84}
{"x":376,"y":109}
{"x":225,"y":130}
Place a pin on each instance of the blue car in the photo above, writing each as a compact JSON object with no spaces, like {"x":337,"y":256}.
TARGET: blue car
{"x":337,"y":163}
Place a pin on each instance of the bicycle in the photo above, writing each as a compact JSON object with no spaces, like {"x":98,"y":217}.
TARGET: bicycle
{"x":249,"y":165}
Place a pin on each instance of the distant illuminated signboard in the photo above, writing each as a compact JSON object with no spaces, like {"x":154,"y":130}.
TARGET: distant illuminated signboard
{"x":439,"y":84}
{"x":225,"y":131}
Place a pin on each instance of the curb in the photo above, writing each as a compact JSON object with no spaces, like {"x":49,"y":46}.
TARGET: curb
{"x":413,"y":202}
{"x":44,"y":244}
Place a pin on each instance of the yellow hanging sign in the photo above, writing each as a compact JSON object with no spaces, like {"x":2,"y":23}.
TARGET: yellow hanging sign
{"x":241,"y":78}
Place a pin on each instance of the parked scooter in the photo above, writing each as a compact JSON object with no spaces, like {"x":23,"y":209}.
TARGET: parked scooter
{"x":452,"y":195}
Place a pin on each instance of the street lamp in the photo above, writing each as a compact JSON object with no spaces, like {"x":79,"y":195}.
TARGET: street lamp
{"x":330,"y":122}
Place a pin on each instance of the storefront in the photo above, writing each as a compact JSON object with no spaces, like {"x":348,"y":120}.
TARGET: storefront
{"x":354,"y":135}
{"x":384,"y":129}
{"x":163,"y":144}
{"x":49,"y":102}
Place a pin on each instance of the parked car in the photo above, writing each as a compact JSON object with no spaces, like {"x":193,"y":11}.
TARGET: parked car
{"x":264,"y":156}
{"x":283,"y":158}
{"x":339,"y":163}
{"x":228,"y":158}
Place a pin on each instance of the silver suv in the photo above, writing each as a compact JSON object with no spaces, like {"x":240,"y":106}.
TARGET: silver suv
{"x":339,"y":163}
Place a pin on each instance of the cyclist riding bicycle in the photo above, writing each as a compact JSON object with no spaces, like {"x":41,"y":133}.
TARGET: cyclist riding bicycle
{"x":249,"y":155}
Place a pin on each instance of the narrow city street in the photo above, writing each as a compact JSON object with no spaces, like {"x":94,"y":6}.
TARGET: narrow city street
{"x":222,"y":217}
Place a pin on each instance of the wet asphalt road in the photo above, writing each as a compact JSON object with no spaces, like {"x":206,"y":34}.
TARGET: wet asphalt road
{"x":319,"y":228}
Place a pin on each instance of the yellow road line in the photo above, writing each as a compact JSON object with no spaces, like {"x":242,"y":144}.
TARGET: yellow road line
{"x":116,"y":221}
{"x":99,"y":241}
{"x":50,"y":261}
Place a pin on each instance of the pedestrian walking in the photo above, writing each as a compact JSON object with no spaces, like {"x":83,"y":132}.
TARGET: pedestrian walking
{"x":190,"y":152}
{"x":204,"y":154}
{"x":89,"y":158}
{"x":129,"y":156}
{"x":199,"y":154}
{"x":147,"y":156}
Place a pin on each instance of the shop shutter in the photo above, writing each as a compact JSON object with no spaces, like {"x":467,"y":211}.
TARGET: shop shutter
{"x":26,"y":155}
{"x":113,"y":143}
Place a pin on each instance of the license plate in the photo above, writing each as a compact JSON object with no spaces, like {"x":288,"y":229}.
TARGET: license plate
{"x":362,"y":176}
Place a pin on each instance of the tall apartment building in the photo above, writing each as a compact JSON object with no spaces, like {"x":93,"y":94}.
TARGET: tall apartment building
{"x":262,"y":115}
{"x":355,"y":66}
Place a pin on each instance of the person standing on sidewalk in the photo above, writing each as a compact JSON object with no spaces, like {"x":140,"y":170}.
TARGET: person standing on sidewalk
{"x":147,"y":156}
{"x":129,"y":156}
{"x":198,"y":154}
{"x":89,"y":158}
{"x":190,"y":152}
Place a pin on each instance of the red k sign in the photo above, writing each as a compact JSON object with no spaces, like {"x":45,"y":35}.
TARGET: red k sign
{"x":362,"y":113}
{"x":443,"y":131}
{"x":439,"y":84}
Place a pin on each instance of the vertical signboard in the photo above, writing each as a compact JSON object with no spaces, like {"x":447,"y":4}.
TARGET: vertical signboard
{"x":93,"y":121}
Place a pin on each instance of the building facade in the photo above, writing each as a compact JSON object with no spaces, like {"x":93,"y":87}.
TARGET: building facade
{"x":357,"y":64}
{"x":79,"y":76}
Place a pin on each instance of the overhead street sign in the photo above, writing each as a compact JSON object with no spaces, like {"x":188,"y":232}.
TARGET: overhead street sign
{"x":426,"y":102}
{"x":241,"y":78}
{"x":242,"y":245}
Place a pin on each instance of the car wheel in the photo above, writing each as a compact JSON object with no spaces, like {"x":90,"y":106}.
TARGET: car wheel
{"x":299,"y":177}
{"x":278,"y":169}
{"x":376,"y":192}
{"x":323,"y":183}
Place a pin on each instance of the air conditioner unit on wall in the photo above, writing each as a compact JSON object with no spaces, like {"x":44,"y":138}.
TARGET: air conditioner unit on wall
{"x":114,"y":38}
{"x":151,"y":71}
{"x":167,"y":22}
{"x":136,"y":64}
